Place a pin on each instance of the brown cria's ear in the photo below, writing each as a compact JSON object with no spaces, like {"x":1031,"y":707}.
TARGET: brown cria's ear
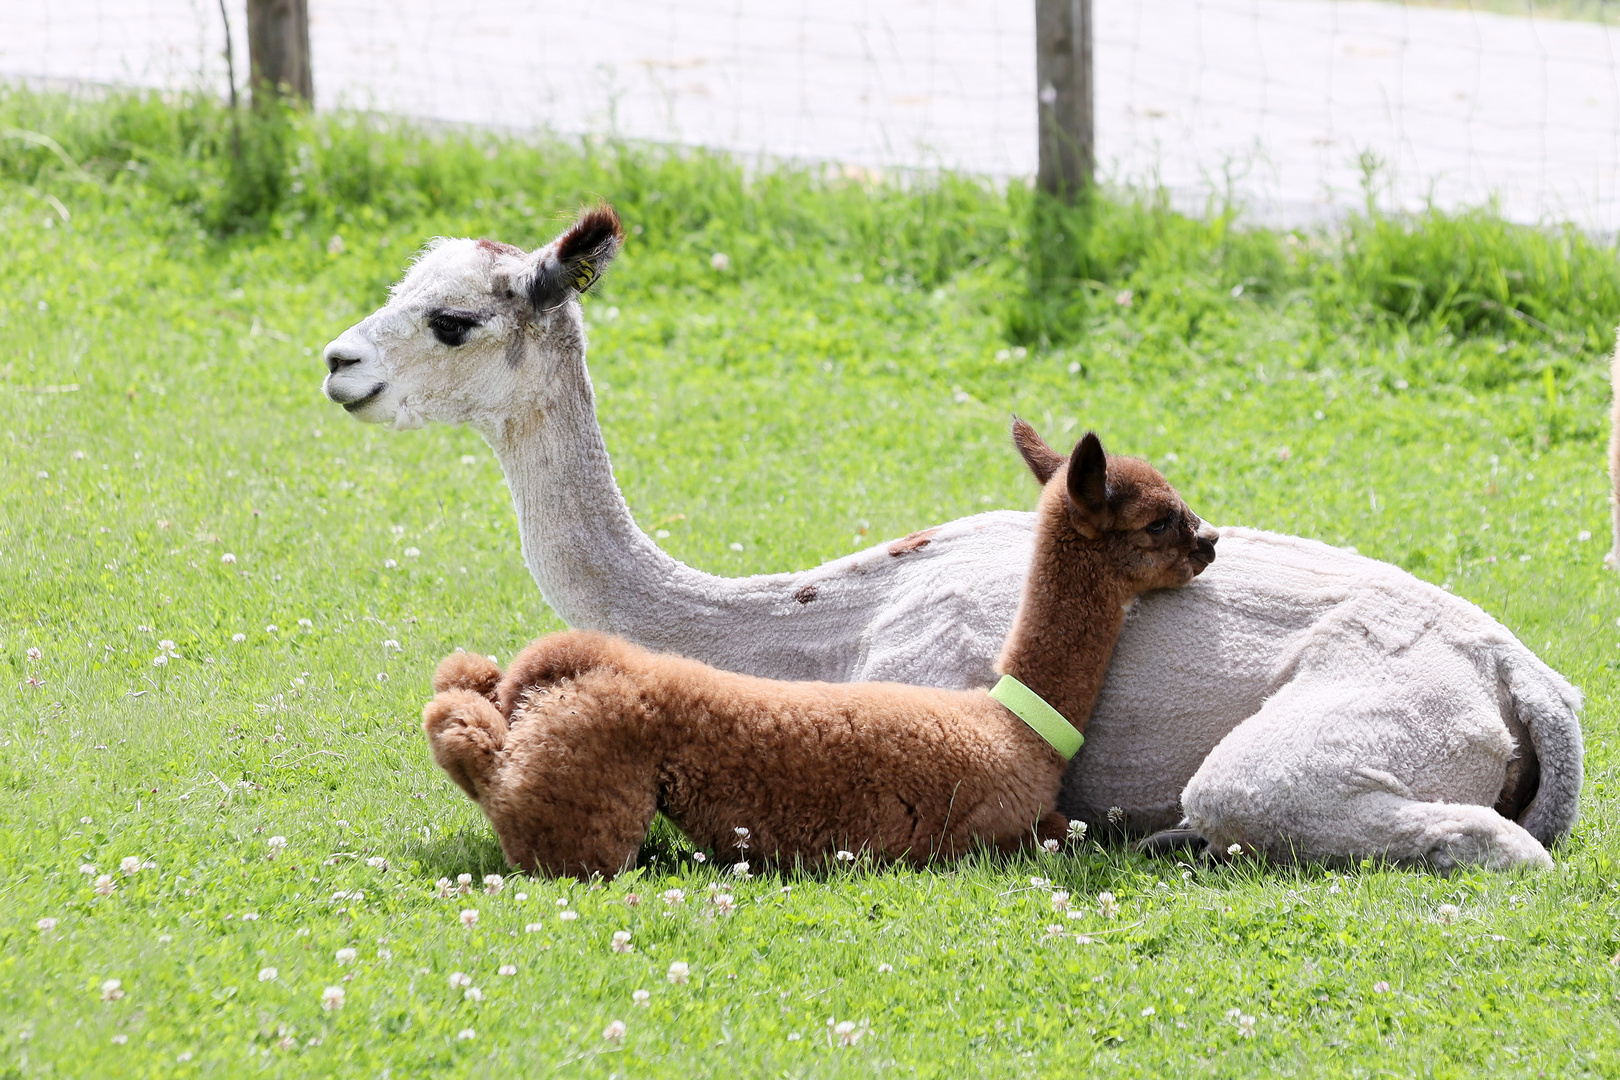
{"x":577,"y":258}
{"x":1088,"y":479}
{"x":1042,"y":460}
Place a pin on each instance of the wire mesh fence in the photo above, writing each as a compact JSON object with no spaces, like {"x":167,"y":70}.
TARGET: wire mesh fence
{"x":1282,"y":106}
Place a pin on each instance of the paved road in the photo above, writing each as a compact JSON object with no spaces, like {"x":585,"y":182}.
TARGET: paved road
{"x":1272,"y":99}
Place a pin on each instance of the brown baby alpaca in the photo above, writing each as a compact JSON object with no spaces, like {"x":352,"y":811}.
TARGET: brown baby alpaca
{"x":572,"y":751}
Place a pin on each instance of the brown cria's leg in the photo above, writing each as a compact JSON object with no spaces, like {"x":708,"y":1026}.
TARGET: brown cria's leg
{"x":467,"y":671}
{"x":466,"y":734}
{"x":1053,"y":826}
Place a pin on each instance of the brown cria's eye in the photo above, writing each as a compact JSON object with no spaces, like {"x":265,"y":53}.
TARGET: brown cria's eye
{"x":1157,"y":528}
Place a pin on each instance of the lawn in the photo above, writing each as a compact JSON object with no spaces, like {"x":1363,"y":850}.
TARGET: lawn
{"x":222,"y":838}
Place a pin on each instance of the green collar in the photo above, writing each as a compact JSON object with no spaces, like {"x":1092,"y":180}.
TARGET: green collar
{"x":1046,"y":721}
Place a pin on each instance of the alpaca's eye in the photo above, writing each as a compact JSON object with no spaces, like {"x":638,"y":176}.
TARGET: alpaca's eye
{"x":451,"y":329}
{"x":1157,"y":528}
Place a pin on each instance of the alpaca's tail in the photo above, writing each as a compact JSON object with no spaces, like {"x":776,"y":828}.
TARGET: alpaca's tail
{"x":1550,"y":708}
{"x":1613,"y":558}
{"x":567,"y":655}
{"x":467,"y":671}
{"x":467,"y":735}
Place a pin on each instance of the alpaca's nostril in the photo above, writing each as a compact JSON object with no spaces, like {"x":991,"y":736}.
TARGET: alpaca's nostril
{"x":337,"y":361}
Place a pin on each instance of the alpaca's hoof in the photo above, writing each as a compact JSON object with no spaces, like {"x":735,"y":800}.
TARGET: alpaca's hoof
{"x":1171,"y":841}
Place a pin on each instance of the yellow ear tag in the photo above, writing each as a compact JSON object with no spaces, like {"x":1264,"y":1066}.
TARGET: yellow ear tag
{"x":585,"y":276}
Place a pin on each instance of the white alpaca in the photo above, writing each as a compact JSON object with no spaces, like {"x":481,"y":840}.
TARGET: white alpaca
{"x":1308,"y":700}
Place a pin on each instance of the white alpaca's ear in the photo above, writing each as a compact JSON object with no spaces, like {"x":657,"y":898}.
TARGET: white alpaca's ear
{"x":574,"y":261}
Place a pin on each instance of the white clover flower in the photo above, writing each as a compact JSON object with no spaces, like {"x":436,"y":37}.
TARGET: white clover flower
{"x":1380,"y":987}
{"x":533,"y":928}
{"x":120,"y":1039}
{"x":674,"y":896}
{"x":468,"y":459}
{"x":679,"y":974}
{"x":346,"y":956}
{"x":521,"y":896}
{"x":1039,"y":883}
{"x":1060,"y":901}
{"x":86,"y":868}
{"x":45,"y":925}
{"x":621,"y":942}
{"x":469,"y":917}
{"x":267,"y":974}
{"x":720,"y":261}
{"x":332,"y":998}
{"x":1106,"y":905}
{"x":112,"y":990}
{"x":382,"y":676}
{"x":1149,"y":1011}
{"x":698,"y":856}
{"x":741,"y":870}
{"x":884,"y":969}
{"x":385,"y":954}
{"x":129,"y":864}
{"x":390,"y":564}
{"x":1246,"y":1026}
{"x":239,"y":638}
{"x":472,"y":994}
{"x":632,"y":899}
{"x":1235,"y":850}
{"x":160,"y":660}
{"x":849,"y":1033}
{"x":614,"y":1032}
{"x":250,"y":916}
{"x":507,"y":969}
{"x":642,"y":998}
{"x":413,"y":553}
{"x":183,"y":1056}
{"x":568,"y":915}
{"x":105,"y":885}
{"x":493,"y":883}
{"x":464,"y":881}
{"x":34,"y":653}
{"x":845,"y":856}
{"x":377,"y":862}
{"x":271,"y":629}
{"x":1115,"y":815}
{"x":725,"y":903}
{"x":144,"y":630}
{"x":166,"y":645}
{"x":1447,"y":913}
{"x":227,"y":558}
{"x":562,"y":901}
{"x":460,"y":980}
{"x":1077,"y":830}
{"x":466,"y":1033}
{"x":1051,"y":846}
{"x":391,"y":644}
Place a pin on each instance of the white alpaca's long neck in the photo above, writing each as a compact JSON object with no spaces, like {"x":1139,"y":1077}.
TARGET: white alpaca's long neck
{"x":599,"y":571}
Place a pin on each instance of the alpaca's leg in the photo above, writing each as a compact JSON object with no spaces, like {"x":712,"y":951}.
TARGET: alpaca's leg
{"x":467,"y":671}
{"x":1358,"y":772}
{"x":466,"y":734}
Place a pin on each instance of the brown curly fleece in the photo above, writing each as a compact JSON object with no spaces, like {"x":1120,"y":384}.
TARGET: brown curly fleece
{"x":572,"y":751}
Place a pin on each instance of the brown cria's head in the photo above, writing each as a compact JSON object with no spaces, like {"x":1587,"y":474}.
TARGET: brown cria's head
{"x":1120,"y":508}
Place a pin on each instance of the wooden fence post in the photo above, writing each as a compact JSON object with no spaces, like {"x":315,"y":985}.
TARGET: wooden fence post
{"x":1064,"y":85}
{"x":278,"y":49}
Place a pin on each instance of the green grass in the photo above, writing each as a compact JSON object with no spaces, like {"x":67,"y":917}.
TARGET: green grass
{"x":848,"y":378}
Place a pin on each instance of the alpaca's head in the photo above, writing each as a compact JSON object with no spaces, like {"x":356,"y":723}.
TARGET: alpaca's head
{"x":463,"y":330}
{"x":1121,"y":506}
